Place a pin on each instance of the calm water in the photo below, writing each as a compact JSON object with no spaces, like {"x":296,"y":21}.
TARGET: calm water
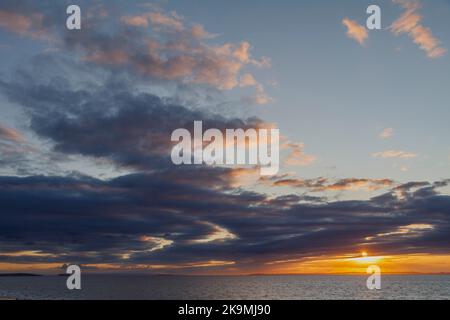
{"x":211,"y":287}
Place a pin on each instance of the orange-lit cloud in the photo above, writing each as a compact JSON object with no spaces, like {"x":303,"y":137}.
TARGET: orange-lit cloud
{"x":11,"y":134}
{"x":136,"y":21}
{"x":30,"y":25}
{"x":52,"y":268}
{"x":156,"y":19}
{"x":247,"y":80}
{"x":395,"y":154}
{"x":239,"y":177}
{"x":357,"y":184}
{"x":199,"y":32}
{"x":171,"y":20}
{"x":108,"y":57}
{"x":322,"y":184}
{"x":356,"y":31}
{"x":27,"y":254}
{"x":297,"y":156}
{"x":189,"y":57}
{"x":410,"y":23}
{"x":29,"y":267}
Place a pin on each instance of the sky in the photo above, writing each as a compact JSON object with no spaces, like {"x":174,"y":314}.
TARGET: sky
{"x":86,"y":117}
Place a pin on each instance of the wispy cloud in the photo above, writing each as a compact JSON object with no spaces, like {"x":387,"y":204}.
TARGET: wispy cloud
{"x":386,"y":133}
{"x":358,"y":184}
{"x":356,"y":31}
{"x":410,"y":22}
{"x":171,"y":20}
{"x":157,"y":19}
{"x":297,"y":155}
{"x":395,"y":154}
{"x":323,"y":184}
{"x":136,"y":21}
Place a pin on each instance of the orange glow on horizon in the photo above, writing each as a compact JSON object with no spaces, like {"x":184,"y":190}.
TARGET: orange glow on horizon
{"x":396,"y":264}
{"x":345,"y":264}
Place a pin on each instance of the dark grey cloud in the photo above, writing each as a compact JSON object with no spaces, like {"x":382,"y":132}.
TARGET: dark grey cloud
{"x":110,"y":119}
{"x":70,"y":217}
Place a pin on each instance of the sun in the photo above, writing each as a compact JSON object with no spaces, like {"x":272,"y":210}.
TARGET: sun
{"x":364,"y":254}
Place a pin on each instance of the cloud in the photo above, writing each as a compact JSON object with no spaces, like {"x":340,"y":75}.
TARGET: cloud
{"x":10,"y":134}
{"x":25,"y":25}
{"x":323,"y":184}
{"x":412,"y":230}
{"x":17,"y":155}
{"x":247,"y":80}
{"x":410,"y":23}
{"x":300,"y":183}
{"x":199,"y":32}
{"x":186,"y":57}
{"x":136,"y":21}
{"x":356,"y":31}
{"x":78,"y":128}
{"x":171,"y":50}
{"x":260,"y":97}
{"x":179,"y":55}
{"x":395,"y":154}
{"x":357,"y":184}
{"x":217,"y":234}
{"x":151,"y":220}
{"x":169,"y":21}
{"x":386,"y":133}
{"x":297,"y":155}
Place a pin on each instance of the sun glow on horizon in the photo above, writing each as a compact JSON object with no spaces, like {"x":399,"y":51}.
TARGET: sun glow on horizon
{"x":343,"y":264}
{"x":351,"y":264}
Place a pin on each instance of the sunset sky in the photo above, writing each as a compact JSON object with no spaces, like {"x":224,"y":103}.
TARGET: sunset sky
{"x":86,"y":117}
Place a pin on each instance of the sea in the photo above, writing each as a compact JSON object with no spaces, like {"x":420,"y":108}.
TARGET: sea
{"x":169,"y":287}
